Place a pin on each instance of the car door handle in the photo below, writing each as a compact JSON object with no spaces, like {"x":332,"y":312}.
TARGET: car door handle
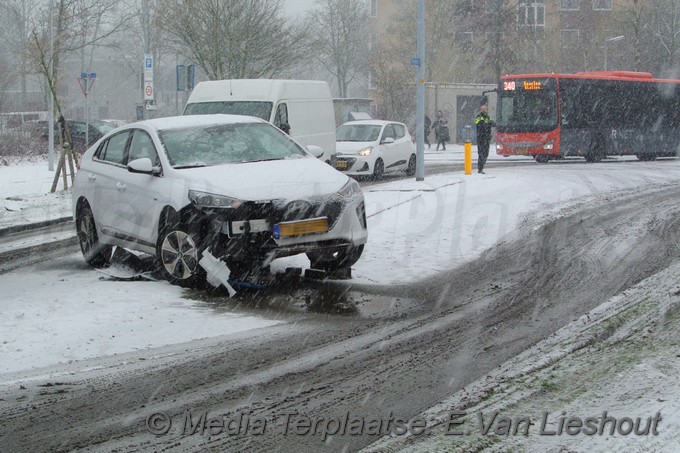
{"x":120,"y":186}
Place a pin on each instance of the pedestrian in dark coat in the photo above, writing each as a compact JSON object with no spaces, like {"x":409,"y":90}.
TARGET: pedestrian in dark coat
{"x":426,"y":131}
{"x":441,"y":130}
{"x":484,"y":124}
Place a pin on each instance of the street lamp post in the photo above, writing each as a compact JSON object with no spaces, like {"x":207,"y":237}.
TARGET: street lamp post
{"x":607,"y":41}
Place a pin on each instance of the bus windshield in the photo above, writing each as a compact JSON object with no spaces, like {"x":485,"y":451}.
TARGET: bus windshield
{"x":527,"y":105}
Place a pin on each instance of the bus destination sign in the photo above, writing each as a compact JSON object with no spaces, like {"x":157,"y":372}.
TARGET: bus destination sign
{"x":526,"y":85}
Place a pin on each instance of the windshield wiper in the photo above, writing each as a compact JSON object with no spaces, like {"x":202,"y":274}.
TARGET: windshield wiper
{"x":192,"y":165}
{"x":260,"y":160}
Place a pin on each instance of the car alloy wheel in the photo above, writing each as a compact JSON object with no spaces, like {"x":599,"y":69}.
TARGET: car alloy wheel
{"x":95,"y":253}
{"x":179,"y":255}
{"x":411,"y":169}
{"x":378,"y":169}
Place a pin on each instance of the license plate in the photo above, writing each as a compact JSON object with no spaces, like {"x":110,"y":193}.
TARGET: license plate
{"x":522,"y":151}
{"x":341,"y":164}
{"x":300,"y":227}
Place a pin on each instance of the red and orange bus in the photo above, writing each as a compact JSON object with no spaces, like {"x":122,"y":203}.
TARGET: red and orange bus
{"x":589,"y":114}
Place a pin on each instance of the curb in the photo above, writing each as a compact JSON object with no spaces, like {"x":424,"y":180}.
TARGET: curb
{"x":34,"y":225}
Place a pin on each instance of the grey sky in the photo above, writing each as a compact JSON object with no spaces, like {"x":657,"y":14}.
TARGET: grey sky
{"x":295,"y":8}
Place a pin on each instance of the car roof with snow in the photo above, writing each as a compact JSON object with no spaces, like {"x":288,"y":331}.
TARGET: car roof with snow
{"x":370,"y":122}
{"x":178,"y":122}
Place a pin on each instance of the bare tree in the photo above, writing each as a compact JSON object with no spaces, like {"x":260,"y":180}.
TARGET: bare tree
{"x":394,"y":86}
{"x":234,"y":38}
{"x":76,"y":25}
{"x":664,"y":37}
{"x":5,"y":82}
{"x":340,"y":36}
{"x":16,"y":16}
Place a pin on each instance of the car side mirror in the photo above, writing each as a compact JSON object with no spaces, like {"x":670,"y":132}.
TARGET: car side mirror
{"x":388,"y":141}
{"x":142,"y":165}
{"x":315,"y":151}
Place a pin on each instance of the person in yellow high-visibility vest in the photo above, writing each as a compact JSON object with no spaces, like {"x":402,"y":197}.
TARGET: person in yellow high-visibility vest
{"x":484,"y":123}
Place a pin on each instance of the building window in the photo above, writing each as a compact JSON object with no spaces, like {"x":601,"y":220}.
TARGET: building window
{"x":602,"y":5}
{"x":531,"y":13}
{"x":493,"y":36}
{"x":464,"y":38}
{"x":374,"y":8}
{"x":570,"y":5}
{"x":493,"y":6}
{"x":569,"y":37}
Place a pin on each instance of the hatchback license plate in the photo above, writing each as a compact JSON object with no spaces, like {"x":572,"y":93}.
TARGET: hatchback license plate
{"x":341,"y":164}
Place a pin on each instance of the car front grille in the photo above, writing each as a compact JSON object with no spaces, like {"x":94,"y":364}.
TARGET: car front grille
{"x":283,"y":211}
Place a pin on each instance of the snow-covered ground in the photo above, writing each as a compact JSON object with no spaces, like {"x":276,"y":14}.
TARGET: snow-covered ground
{"x":415,"y":230}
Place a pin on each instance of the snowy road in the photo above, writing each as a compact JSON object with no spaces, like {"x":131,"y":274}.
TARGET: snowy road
{"x":402,"y":349}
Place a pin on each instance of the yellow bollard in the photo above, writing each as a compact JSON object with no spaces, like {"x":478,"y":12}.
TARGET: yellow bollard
{"x":467,"y":139}
{"x":468,"y":158}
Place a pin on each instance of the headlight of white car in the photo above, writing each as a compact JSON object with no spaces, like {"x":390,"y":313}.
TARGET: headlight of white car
{"x":210,"y":200}
{"x":365,"y":152}
{"x":351,"y":189}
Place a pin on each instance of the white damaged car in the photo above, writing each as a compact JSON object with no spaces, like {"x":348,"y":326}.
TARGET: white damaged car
{"x":235,"y":187}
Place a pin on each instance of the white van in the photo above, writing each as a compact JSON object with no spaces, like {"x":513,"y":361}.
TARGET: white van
{"x":305,"y":106}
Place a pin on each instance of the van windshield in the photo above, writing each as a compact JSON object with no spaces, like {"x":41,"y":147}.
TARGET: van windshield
{"x":261,"y":110}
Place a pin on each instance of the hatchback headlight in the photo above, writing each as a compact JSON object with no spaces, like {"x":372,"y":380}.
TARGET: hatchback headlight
{"x":210,"y":200}
{"x":351,"y":189}
{"x":365,"y":152}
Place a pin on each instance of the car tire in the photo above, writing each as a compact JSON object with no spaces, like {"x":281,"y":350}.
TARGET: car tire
{"x":378,"y":169}
{"x":333,"y":260}
{"x":411,"y":169}
{"x":178,"y":252}
{"x":95,"y":253}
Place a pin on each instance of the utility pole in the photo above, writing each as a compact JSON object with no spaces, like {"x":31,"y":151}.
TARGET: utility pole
{"x":50,"y":101}
{"x":420,"y":95}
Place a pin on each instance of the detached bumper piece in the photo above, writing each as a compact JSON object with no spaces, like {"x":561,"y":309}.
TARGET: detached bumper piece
{"x":300,"y":227}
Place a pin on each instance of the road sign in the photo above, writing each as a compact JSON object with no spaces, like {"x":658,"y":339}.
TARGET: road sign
{"x":186,"y":77}
{"x":148,"y":91}
{"x":86,"y":82}
{"x":148,"y":68}
{"x":415,"y":62}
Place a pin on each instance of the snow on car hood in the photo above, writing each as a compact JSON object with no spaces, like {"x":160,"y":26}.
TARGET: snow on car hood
{"x":277,"y":179}
{"x":351,"y":147}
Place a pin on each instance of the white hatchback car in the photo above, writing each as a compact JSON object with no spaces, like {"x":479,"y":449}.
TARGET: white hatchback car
{"x":234,"y":186}
{"x":374,"y":147}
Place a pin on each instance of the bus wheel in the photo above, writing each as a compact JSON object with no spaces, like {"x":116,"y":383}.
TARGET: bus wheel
{"x":597,"y":150}
{"x":541,"y":158}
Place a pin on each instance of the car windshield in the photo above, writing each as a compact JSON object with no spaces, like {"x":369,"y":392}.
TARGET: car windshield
{"x":260,"y":110}
{"x":227,"y":143}
{"x":358,"y":133}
